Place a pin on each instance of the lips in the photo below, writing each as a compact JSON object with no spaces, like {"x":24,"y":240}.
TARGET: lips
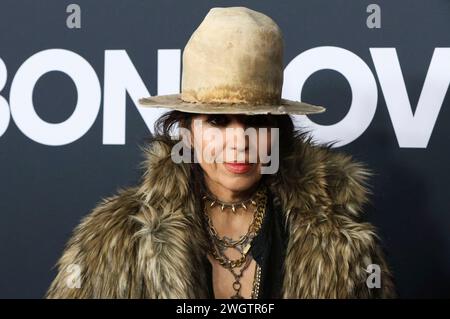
{"x":238,"y":168}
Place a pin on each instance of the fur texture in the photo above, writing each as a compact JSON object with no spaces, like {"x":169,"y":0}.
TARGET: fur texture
{"x":147,"y":241}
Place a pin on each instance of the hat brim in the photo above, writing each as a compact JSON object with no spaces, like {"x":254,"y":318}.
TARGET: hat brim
{"x":174,"y":102}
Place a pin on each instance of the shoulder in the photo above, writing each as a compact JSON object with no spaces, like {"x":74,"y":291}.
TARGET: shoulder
{"x":96,"y":257}
{"x":332,"y":190}
{"x":317,"y":177}
{"x":324,"y":195}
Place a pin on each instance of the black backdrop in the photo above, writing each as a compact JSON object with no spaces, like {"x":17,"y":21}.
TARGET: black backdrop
{"x":45,"y":189}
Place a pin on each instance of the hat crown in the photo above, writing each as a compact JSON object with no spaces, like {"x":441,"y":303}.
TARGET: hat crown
{"x":234,"y":56}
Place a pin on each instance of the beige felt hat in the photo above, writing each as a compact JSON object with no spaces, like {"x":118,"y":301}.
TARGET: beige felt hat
{"x":233,"y":64}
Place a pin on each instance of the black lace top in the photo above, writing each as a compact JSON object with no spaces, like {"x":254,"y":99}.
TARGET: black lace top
{"x":268,"y":250}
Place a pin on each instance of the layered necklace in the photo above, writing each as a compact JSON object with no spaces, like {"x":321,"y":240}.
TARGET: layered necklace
{"x":218,"y":244}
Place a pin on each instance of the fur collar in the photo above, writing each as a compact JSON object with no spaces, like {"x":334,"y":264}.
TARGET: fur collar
{"x":147,"y":241}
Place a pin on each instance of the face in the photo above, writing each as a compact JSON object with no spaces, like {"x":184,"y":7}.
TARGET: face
{"x":229,"y":157}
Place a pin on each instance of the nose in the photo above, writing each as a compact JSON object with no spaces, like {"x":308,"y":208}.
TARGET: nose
{"x":236,"y":139}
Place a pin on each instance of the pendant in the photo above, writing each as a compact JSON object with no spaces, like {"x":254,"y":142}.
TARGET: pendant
{"x":237,"y":288}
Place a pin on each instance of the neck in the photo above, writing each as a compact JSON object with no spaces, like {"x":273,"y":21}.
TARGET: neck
{"x":228,"y":195}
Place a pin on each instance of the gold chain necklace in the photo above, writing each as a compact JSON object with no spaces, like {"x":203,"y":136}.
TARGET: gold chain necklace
{"x":256,"y":282}
{"x":227,"y":242}
{"x":261,"y":197}
{"x":224,"y":261}
{"x":240,"y":244}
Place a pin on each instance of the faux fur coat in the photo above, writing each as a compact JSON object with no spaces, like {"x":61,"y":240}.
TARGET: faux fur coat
{"x":147,"y":241}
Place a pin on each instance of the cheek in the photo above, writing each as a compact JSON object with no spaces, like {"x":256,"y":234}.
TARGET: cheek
{"x":219,"y":174}
{"x":210,"y":169}
{"x":208,"y":146}
{"x":264,"y":145}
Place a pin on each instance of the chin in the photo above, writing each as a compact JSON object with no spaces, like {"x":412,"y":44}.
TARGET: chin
{"x":240,"y":183}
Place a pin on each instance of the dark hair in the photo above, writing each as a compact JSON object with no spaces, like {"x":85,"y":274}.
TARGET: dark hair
{"x":166,"y":123}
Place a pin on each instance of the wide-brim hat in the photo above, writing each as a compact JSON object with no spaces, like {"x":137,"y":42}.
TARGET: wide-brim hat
{"x":233,"y":64}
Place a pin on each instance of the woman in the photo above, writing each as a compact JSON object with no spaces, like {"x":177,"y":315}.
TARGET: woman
{"x":213,"y":216}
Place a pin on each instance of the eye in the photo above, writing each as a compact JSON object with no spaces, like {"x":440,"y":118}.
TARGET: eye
{"x":218,"y":120}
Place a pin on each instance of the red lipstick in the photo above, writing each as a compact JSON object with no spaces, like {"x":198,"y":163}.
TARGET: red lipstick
{"x":238,"y":168}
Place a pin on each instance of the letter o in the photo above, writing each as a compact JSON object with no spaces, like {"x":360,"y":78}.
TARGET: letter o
{"x":360,"y":79}
{"x":88,"y":92}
